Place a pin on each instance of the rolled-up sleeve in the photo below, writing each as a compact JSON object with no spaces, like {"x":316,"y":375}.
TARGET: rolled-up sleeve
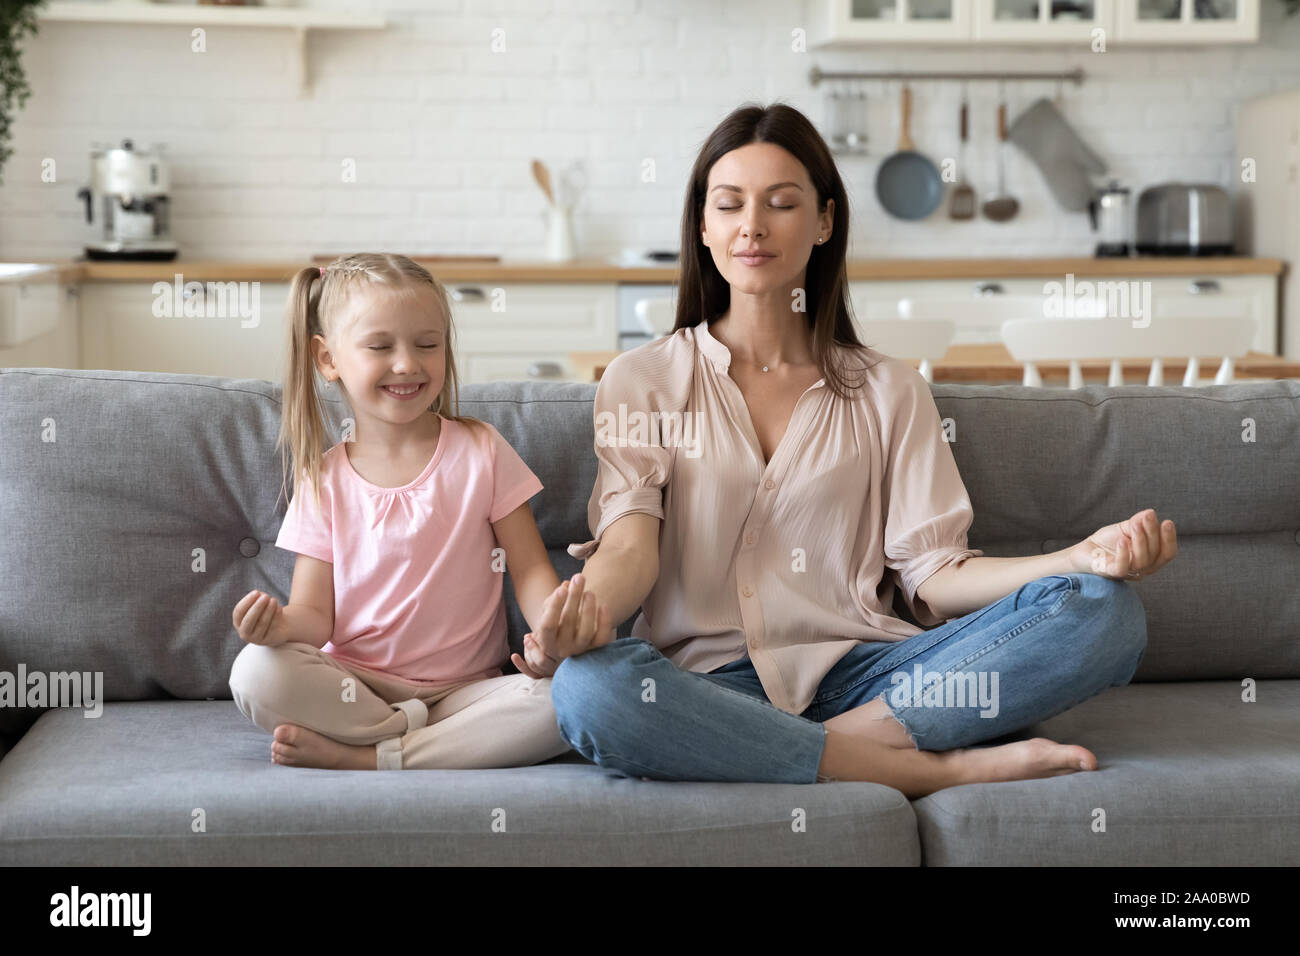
{"x":633,"y":466}
{"x":927,"y":510}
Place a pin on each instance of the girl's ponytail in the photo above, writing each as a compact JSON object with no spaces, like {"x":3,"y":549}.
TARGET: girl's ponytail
{"x":302,"y":419}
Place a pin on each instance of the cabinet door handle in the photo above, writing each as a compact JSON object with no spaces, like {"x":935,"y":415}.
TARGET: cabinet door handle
{"x":468,"y":293}
{"x":1198,"y":286}
{"x":989,"y":288}
{"x":544,"y":370}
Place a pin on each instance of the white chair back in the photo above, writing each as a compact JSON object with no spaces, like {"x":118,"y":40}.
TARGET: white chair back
{"x":986,"y":310}
{"x":1076,"y":340}
{"x":656,"y":316}
{"x":924,"y":339}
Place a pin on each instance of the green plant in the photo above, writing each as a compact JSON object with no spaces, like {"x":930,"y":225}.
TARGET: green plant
{"x":1291,"y":6}
{"x":17,"y":19}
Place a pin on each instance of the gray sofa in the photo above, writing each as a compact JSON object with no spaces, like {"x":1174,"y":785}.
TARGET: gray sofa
{"x":130,"y":535}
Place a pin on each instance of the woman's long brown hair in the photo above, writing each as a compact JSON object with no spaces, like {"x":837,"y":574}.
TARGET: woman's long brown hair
{"x":704,"y":294}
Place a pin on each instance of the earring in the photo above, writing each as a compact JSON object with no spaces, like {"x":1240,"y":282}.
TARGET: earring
{"x":819,"y":239}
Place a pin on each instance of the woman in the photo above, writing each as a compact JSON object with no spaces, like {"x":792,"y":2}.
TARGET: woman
{"x":759,"y":538}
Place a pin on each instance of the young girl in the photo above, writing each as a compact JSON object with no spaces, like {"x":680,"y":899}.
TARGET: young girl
{"x":389,"y":653}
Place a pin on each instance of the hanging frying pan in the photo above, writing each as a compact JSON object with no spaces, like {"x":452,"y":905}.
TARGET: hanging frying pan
{"x":908,"y":184}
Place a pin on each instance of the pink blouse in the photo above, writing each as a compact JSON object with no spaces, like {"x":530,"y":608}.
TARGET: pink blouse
{"x":785,"y":562}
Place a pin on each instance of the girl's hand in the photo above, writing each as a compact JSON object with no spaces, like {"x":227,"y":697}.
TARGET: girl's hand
{"x":259,"y":619}
{"x":572,"y":624}
{"x":1129,"y":550}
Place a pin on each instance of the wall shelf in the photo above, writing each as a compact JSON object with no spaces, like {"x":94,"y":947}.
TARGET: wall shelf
{"x":297,"y":19}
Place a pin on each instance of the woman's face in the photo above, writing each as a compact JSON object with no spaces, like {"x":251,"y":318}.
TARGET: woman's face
{"x":759,"y":197}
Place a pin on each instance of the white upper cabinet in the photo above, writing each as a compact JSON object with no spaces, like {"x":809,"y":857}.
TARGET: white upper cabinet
{"x":850,"y":22}
{"x":1038,"y":21}
{"x":1127,"y":22}
{"x":1187,"y":21}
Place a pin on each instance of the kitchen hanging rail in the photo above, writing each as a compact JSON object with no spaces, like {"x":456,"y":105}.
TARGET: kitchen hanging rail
{"x":816,"y":75}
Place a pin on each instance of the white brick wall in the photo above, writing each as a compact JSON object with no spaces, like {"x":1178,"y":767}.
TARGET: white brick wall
{"x":442,"y":129}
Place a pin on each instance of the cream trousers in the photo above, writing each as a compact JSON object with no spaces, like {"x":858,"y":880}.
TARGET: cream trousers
{"x":495,"y":722}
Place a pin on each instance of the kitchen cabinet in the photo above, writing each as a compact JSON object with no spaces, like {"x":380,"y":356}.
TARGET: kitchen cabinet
{"x":139,"y":326}
{"x":979,"y":306}
{"x":38,"y":323}
{"x":1187,"y":21}
{"x":546,"y":321}
{"x":848,"y":23}
{"x":1038,"y":21}
{"x":504,"y":331}
{"x":892,"y":21}
{"x":518,"y":331}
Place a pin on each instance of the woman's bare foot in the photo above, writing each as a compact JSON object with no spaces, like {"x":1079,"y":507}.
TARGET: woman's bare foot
{"x":297,"y":746}
{"x":917,"y":773}
{"x":1023,"y":760}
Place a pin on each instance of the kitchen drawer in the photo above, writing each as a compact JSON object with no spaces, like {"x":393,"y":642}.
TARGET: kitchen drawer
{"x":477,"y":367}
{"x":511,"y":317}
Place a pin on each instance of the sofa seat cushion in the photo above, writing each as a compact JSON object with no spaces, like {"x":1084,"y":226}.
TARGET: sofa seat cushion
{"x":124,"y":789}
{"x":1188,"y":775}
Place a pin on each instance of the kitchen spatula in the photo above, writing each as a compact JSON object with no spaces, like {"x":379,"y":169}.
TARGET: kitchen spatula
{"x":962,"y":205}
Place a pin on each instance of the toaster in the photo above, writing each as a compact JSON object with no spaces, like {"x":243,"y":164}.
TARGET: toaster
{"x":1184,"y":219}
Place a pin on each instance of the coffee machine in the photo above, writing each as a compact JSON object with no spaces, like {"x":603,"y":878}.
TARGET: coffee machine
{"x":129,"y":187}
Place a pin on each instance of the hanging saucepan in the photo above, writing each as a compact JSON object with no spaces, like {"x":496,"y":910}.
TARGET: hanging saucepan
{"x":908,"y":184}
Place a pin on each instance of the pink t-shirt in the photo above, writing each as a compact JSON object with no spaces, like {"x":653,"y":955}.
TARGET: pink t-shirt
{"x":417,"y":590}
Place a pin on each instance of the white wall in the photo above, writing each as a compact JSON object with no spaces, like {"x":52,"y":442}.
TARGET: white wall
{"x":442,"y":128}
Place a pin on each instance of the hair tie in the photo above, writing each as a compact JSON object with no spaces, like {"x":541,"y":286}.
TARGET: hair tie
{"x":321,"y":270}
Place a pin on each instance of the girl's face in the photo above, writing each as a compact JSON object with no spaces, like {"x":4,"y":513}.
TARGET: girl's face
{"x":387,"y":341}
{"x":759,"y":197}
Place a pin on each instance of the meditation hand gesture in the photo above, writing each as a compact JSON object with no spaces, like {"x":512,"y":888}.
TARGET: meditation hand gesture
{"x":572,"y":624}
{"x":1129,"y":550}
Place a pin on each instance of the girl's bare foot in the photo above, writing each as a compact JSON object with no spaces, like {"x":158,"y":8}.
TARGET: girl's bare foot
{"x":297,"y":746}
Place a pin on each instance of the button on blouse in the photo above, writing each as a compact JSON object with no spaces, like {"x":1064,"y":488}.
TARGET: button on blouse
{"x":793,"y":561}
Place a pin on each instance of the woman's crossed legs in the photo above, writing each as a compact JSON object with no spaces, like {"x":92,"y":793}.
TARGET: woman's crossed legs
{"x":898,"y":713}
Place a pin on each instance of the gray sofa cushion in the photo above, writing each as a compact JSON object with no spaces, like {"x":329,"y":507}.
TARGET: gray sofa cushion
{"x":1188,"y":775}
{"x":122,"y":789}
{"x":97,"y":566}
{"x":1045,"y":467}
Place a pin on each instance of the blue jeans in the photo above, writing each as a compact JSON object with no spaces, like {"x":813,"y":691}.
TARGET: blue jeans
{"x":1042,"y":649}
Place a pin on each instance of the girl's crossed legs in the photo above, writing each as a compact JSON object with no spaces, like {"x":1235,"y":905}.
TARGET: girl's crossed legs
{"x":324,"y":713}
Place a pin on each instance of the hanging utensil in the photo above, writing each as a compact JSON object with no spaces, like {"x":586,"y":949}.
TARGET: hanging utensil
{"x":845,"y":120}
{"x":908,"y":185}
{"x":963,"y":197}
{"x":855,"y":137}
{"x":543,"y":177}
{"x":1001,"y":206}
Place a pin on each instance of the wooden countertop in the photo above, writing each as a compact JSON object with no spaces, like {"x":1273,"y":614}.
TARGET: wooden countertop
{"x":603,"y":271}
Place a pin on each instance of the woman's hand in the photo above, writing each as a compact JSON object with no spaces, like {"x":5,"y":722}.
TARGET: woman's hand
{"x":1129,"y":550}
{"x":259,"y":619}
{"x":573,"y":622}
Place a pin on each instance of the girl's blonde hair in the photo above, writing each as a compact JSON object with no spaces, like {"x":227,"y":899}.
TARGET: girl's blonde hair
{"x":316,"y":304}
